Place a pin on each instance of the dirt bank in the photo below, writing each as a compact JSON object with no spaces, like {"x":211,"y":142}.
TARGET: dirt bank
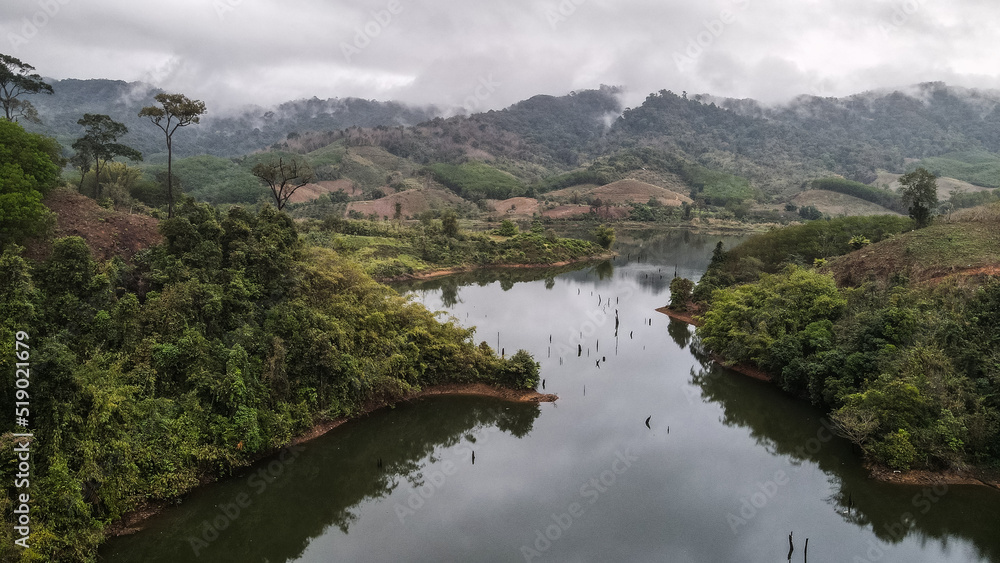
{"x":132,"y":522}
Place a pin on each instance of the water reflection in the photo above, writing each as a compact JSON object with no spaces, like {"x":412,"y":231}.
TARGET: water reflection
{"x":292,"y":501}
{"x":788,"y":427}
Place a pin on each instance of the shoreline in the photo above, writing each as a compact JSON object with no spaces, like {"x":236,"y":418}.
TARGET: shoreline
{"x":979,"y":477}
{"x":436,"y":273}
{"x":132,"y":521}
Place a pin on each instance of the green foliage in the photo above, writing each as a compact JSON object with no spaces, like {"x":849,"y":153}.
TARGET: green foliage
{"x":896,"y":451}
{"x":99,"y":145}
{"x":390,"y":251}
{"x":476,"y":180}
{"x":746,"y":323}
{"x":16,"y":80}
{"x":909,"y":373}
{"x":680,"y":293}
{"x":605,"y":235}
{"x":885,"y":198}
{"x":919,"y":191}
{"x":976,"y":166}
{"x":858,"y":242}
{"x":973,"y":199}
{"x":799,"y":244}
{"x":810,"y":213}
{"x":215,"y":180}
{"x":29,"y":168}
{"x":507,"y":228}
{"x":174,"y":111}
{"x":211,"y":350}
{"x":449,"y":223}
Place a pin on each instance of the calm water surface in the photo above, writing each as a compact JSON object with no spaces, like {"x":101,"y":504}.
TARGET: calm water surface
{"x":726,"y":470}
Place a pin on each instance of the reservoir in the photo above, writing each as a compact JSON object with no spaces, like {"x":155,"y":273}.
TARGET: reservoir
{"x":651,"y":453}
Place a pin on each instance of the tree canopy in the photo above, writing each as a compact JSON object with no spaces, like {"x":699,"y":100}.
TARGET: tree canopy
{"x":29,"y":168}
{"x":16,"y":80}
{"x":919,"y":190}
{"x":175,"y":110}
{"x":100,"y":143}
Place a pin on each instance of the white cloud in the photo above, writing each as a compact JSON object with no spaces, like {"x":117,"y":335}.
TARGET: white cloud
{"x":237,"y":52}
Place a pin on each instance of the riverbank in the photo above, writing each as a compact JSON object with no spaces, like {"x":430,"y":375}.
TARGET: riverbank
{"x":133,"y":521}
{"x":973,"y":476}
{"x":440,"y":272}
{"x":688,"y":317}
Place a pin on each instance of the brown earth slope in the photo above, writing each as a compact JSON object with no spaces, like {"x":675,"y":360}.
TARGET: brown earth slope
{"x":108,"y":233}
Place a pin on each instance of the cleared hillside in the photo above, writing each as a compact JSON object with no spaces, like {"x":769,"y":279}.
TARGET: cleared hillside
{"x":967,"y":244}
{"x":837,"y":204}
{"x":624,"y":192}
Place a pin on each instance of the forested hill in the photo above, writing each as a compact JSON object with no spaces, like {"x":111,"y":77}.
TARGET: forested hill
{"x":773,"y":152}
{"x":229,"y":133}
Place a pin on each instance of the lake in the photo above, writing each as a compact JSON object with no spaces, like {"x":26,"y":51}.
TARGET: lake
{"x":726,"y":469}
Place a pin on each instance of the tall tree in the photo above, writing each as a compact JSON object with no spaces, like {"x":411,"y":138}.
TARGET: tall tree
{"x":100,"y":143}
{"x":283,"y":177}
{"x":919,"y":190}
{"x":176,"y":110}
{"x":16,"y":80}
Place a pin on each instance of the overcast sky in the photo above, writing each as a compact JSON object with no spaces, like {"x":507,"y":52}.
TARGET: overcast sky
{"x":488,"y":54}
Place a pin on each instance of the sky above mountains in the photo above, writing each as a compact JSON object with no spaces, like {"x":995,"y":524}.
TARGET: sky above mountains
{"x":476,"y":56}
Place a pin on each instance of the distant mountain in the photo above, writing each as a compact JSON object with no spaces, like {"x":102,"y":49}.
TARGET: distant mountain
{"x":219,"y":134}
{"x":725,"y":150}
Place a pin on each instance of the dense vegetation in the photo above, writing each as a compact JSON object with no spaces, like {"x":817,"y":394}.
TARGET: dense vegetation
{"x":475,"y":181}
{"x":205,"y":353}
{"x":29,"y":168}
{"x":391,"y":251}
{"x":908,"y":370}
{"x":800,"y":245}
{"x":978,"y":167}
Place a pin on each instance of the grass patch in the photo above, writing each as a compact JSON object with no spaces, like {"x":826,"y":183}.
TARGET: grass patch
{"x":978,"y":167}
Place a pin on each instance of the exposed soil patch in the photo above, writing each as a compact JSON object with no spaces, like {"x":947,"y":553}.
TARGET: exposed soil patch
{"x":312,"y":191}
{"x":413,"y":202}
{"x":685,"y":316}
{"x":564,"y":211}
{"x":516,"y":207}
{"x":108,"y":233}
{"x":931,"y":478}
{"x":624,"y":192}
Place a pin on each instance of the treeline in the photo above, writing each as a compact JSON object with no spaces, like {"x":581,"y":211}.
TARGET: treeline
{"x":387,"y":250}
{"x":907,"y":371}
{"x":885,"y":198}
{"x":202,"y":355}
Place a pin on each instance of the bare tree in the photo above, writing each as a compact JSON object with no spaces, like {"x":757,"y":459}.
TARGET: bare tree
{"x":283,"y":177}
